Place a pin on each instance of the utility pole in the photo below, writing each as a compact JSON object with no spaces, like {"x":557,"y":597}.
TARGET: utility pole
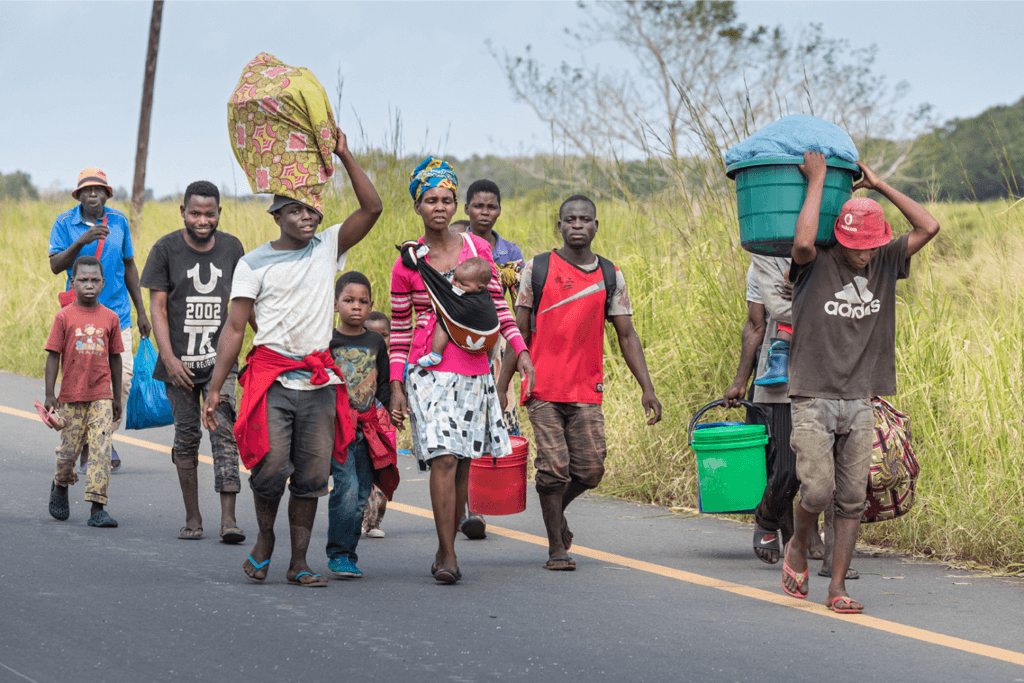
{"x":142,"y":149}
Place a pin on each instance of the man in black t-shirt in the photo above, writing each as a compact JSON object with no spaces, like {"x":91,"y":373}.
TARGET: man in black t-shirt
{"x":189,"y":273}
{"x":843,"y":353}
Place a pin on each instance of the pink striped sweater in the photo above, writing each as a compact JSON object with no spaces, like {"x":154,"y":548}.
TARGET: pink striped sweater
{"x":409,"y":299}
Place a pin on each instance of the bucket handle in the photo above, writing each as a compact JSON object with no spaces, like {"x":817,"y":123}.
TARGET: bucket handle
{"x":721,"y":403}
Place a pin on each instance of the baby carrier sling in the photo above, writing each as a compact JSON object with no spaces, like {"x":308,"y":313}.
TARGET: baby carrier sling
{"x":469,"y":318}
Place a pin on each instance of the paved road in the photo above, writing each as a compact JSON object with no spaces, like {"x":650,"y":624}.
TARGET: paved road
{"x":657,"y":596}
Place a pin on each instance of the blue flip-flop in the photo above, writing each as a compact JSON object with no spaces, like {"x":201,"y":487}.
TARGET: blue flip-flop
{"x":321,"y":583}
{"x":257,"y":567}
{"x":59,"y":502}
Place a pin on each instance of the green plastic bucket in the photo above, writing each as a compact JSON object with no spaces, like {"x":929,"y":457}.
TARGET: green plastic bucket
{"x":731,"y":476}
{"x":731,"y":468}
{"x":770,"y":193}
{"x":726,"y":434}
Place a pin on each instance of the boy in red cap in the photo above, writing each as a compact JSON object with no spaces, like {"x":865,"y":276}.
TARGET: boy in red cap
{"x":843,"y":353}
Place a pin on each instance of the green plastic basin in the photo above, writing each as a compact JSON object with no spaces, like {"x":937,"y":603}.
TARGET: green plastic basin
{"x":769,"y":194}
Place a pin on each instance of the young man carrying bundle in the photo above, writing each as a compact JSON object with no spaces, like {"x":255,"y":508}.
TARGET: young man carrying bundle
{"x":294,"y":412}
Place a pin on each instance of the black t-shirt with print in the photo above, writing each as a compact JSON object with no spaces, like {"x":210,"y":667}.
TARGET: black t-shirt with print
{"x":363,"y":361}
{"x":844,"y":324}
{"x":198,"y":286}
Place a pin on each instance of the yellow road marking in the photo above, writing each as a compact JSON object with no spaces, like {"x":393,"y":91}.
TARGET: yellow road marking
{"x":678,"y":574}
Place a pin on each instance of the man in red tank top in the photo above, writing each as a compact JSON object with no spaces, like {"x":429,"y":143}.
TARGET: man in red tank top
{"x":567,"y":347}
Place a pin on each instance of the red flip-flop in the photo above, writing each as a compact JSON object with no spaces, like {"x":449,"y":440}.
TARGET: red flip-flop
{"x":51,"y":418}
{"x":799,"y":578}
{"x":846,"y":606}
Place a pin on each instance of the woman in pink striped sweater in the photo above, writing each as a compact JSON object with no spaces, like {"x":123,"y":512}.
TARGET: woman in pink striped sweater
{"x":452,"y":406}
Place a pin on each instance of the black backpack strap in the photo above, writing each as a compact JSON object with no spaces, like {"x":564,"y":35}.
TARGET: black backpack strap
{"x":538,"y":277}
{"x":610,"y":282}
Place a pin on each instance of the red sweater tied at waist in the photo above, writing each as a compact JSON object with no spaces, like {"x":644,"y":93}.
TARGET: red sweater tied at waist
{"x":379,"y":434}
{"x":263,"y":366}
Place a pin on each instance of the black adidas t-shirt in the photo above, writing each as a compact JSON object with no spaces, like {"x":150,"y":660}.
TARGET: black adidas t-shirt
{"x":844,"y":324}
{"x":198,"y":286}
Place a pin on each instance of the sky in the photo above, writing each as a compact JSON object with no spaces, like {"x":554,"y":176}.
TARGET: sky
{"x":73,"y":72}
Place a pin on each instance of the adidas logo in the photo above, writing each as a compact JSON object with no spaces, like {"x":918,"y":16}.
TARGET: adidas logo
{"x":857,"y":301}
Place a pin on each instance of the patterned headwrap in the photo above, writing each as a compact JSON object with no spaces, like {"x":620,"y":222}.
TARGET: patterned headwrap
{"x":431,"y":173}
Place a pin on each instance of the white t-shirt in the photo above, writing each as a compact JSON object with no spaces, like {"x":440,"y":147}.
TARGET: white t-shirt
{"x":293,"y":295}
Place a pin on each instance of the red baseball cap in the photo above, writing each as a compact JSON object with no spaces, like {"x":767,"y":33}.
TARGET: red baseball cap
{"x":861,"y":225}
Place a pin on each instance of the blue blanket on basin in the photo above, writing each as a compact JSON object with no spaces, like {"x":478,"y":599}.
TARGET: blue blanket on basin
{"x":793,"y":135}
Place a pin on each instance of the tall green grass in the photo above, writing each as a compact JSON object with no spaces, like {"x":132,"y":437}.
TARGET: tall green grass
{"x":960,"y":342}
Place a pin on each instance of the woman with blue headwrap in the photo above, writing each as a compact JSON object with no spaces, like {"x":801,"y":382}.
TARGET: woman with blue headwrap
{"x":452,"y":406}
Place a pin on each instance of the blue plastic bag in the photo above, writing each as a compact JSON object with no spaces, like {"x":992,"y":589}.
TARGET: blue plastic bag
{"x":147,"y":401}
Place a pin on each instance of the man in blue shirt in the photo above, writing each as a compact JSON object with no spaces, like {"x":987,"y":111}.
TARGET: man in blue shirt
{"x":91,"y":229}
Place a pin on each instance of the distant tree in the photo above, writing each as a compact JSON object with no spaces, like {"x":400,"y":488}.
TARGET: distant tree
{"x":17,"y":186}
{"x":699,"y":81}
{"x":972,"y":159}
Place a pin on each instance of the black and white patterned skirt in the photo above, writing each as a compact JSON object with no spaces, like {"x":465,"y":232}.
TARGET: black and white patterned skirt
{"x":456,"y":414}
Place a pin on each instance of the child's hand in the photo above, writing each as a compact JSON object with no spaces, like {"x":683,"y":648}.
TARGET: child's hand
{"x":340,"y":147}
{"x":399,"y":405}
{"x":814,"y":166}
{"x":869,"y":181}
{"x":116,"y":407}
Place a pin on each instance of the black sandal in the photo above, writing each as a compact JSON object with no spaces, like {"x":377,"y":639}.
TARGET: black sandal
{"x":59,"y":502}
{"x":766,"y":546}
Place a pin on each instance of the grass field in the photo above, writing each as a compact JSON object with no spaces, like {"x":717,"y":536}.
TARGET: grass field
{"x":960,"y":344}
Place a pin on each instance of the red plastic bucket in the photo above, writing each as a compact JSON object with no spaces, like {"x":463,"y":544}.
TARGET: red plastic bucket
{"x":497,"y":486}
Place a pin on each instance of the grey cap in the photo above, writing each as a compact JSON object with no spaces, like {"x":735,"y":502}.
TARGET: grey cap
{"x":280,"y":201}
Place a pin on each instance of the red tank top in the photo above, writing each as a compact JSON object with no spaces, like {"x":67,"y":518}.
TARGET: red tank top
{"x":567,"y":348}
